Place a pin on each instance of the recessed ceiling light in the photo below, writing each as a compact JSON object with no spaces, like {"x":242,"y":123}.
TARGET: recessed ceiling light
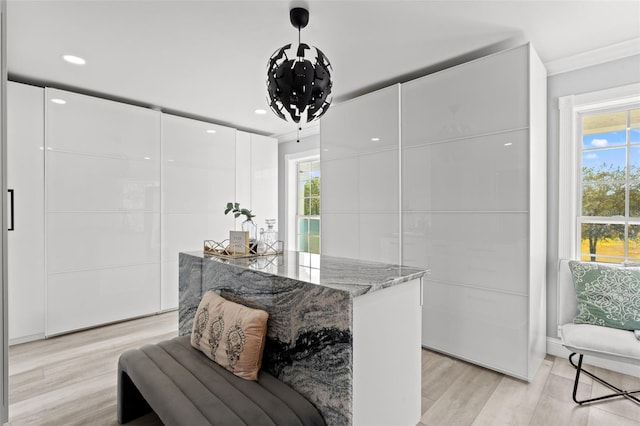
{"x":211,"y":131}
{"x":375,"y":139}
{"x":508,"y":144}
{"x":76,"y":60}
{"x":147,"y":158}
{"x":58,"y":101}
{"x":260,"y":111}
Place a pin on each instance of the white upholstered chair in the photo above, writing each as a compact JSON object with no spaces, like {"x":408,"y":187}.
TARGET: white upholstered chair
{"x":592,"y":340}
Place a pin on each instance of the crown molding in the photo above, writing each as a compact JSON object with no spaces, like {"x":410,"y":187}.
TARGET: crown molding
{"x":594,"y":57}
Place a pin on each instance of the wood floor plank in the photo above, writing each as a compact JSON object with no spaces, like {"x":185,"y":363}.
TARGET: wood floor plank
{"x":514,"y":401}
{"x":71,"y":379}
{"x":439,"y":372}
{"x":563,"y":368}
{"x":600,"y":417}
{"x":68,"y":372}
{"x":556,"y":408}
{"x":464,"y":399}
{"x":621,"y":406}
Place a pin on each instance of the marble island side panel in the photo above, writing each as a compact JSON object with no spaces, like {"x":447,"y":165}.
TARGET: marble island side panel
{"x":309,"y":337}
{"x":310,"y":301}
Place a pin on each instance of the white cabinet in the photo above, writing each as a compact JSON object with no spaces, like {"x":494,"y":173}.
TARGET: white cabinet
{"x":25,"y":176}
{"x":264,"y":178}
{"x":102,"y":184}
{"x":474,"y":207}
{"x":472,"y":204}
{"x":360,"y":177}
{"x":198,"y":180}
{"x":243,"y":170}
{"x":484,"y":96}
{"x":106,"y":195}
{"x":257,"y":176}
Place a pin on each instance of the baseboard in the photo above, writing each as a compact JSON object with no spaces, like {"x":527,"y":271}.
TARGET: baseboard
{"x":26,"y":339}
{"x":554,"y":347}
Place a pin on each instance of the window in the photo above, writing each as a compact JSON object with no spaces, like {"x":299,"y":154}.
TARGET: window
{"x":609,"y":208}
{"x":599,"y":181}
{"x":308,"y":206}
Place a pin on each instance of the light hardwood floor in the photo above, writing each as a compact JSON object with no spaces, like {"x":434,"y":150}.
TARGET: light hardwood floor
{"x":71,"y":380}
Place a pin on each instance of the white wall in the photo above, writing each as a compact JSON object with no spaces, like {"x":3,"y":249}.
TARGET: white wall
{"x":611,"y":74}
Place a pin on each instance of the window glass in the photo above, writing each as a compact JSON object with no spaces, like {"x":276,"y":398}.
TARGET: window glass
{"x":610,"y":187}
{"x":634,"y":243}
{"x":603,"y":242}
{"x":604,"y":165}
{"x":601,"y":130}
{"x":308,"y":214}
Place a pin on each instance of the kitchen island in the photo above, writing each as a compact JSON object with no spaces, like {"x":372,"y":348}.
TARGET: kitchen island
{"x":344,"y":333}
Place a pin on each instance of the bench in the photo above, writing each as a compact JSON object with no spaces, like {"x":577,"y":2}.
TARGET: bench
{"x":184,"y":387}
{"x":592,"y":340}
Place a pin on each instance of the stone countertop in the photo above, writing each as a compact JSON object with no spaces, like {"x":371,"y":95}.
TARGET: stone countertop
{"x":357,"y":277}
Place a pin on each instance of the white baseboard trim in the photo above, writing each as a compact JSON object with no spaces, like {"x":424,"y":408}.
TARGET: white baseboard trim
{"x":554,"y":347}
{"x":25,"y":339}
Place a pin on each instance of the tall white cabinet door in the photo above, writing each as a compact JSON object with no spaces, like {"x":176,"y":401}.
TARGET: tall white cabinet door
{"x":264,"y":179}
{"x":257,"y":176}
{"x":476,"y":98}
{"x":243,"y":170}
{"x":198,"y":180}
{"x":102,"y":211}
{"x":360,"y":178}
{"x":473,"y":208}
{"x":25,"y":177}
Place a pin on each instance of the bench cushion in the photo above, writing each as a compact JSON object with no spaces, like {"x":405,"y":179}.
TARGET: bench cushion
{"x":184,"y":387}
{"x":604,"y":342}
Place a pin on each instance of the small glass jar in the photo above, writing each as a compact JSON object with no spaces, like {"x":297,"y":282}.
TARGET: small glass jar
{"x":269,"y":238}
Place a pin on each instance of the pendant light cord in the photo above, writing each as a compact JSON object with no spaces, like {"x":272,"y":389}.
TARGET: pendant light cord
{"x":298,"y":126}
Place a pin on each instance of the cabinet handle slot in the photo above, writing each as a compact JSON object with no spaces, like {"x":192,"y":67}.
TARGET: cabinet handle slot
{"x":11,"y":226}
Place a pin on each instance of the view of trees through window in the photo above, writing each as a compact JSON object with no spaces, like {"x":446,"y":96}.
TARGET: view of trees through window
{"x":610,"y":182}
{"x":308,"y":215}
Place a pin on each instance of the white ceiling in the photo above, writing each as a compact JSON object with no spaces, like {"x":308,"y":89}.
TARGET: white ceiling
{"x":207,"y":59}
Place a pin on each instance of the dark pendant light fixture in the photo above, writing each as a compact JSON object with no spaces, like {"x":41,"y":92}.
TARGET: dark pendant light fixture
{"x":299,"y":80}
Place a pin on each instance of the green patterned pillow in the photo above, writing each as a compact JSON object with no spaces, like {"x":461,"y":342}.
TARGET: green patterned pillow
{"x":607,"y":295}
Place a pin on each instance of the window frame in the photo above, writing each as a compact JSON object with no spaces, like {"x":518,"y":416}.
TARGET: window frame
{"x":572,"y":108}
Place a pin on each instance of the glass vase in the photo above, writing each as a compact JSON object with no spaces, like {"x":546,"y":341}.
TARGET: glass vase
{"x":249,"y":226}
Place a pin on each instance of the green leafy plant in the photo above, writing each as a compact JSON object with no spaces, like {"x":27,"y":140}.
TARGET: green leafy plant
{"x":237,"y":211}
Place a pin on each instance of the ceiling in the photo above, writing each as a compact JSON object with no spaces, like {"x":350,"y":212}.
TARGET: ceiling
{"x":207,"y":59}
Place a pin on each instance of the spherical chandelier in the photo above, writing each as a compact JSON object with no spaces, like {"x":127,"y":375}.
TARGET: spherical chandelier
{"x":299,"y":80}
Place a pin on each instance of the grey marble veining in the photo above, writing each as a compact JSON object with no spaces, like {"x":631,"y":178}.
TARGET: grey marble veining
{"x":357,"y":277}
{"x":189,"y":290}
{"x":309,"y":299}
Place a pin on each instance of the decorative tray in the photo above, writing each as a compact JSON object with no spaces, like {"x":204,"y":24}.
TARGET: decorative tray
{"x":222,"y":249}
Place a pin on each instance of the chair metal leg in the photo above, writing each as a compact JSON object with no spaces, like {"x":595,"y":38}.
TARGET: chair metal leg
{"x":618,"y":392}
